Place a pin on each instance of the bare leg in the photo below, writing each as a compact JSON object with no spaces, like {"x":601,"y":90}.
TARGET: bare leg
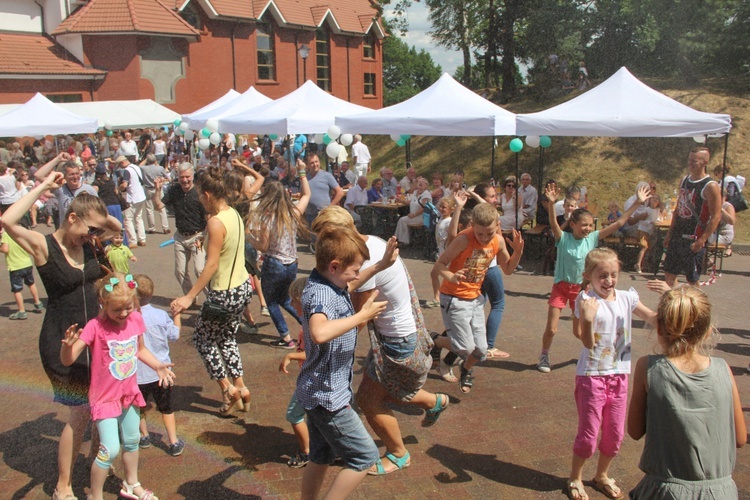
{"x":98,"y":477}
{"x":576,"y":472}
{"x":19,"y":301}
{"x":142,"y":427}
{"x":602,"y":467}
{"x":171,"y":426}
{"x":312,"y":480}
{"x":70,"y":445}
{"x":553,"y":319}
{"x":259,"y":291}
{"x":130,"y":463}
{"x":34,"y":293}
{"x":302,"y":433}
{"x":371,"y":398}
{"x":345,"y":483}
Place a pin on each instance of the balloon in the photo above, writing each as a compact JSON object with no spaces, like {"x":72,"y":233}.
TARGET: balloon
{"x":273,"y":137}
{"x":205,"y":132}
{"x":215,"y":138}
{"x":327,"y":139}
{"x":400,"y":142}
{"x":346,"y":139}
{"x":232,"y":138}
{"x":189,"y":135}
{"x":183,"y":126}
{"x":516,"y":145}
{"x":545,"y":141}
{"x":109,"y":133}
{"x":405,"y":137}
{"x":212,"y":124}
{"x":395,"y":137}
{"x":178,"y":131}
{"x":700,"y":139}
{"x":532,"y":141}
{"x":333,"y":149}
{"x":177,"y":122}
{"x":334,"y":132}
{"x":108,"y":126}
{"x":204,"y":143}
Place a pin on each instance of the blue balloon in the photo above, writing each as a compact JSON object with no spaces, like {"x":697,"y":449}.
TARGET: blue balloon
{"x":516,"y":145}
{"x":545,"y":141}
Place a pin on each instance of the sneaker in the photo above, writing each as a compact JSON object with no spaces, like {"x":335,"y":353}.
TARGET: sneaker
{"x":19,"y":315}
{"x":264,"y":311}
{"x":176,"y":449}
{"x":145,"y":442}
{"x":39,"y":306}
{"x":247,"y":328}
{"x":283,"y":344}
{"x":543,"y":365}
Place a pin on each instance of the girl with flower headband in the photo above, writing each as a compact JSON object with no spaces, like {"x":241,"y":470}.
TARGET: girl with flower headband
{"x":115,"y":341}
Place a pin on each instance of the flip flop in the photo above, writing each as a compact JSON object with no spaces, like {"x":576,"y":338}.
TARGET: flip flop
{"x":497,"y":353}
{"x":575,"y":491}
{"x":399,"y":462}
{"x":608,"y":488}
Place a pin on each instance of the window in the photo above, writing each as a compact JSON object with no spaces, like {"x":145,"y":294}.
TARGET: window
{"x":323,"y":60}
{"x":191,"y":16}
{"x":61,"y":98}
{"x":368,"y":46}
{"x":266,"y":59}
{"x":370,"y":84}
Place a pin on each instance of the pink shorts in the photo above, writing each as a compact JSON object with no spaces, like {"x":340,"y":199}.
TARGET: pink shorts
{"x":602,"y":403}
{"x":562,"y":293}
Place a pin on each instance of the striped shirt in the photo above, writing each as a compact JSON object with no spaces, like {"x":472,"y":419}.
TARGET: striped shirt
{"x":326,"y":376}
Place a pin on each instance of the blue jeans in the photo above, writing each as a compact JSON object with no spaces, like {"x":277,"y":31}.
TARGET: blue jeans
{"x":494,"y":291}
{"x":340,"y":433}
{"x":275,"y":279}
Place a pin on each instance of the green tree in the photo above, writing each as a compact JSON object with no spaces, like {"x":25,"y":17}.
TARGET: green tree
{"x":453,"y":22}
{"x":406,"y":72}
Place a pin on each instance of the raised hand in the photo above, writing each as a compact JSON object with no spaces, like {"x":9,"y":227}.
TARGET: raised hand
{"x":643,"y":194}
{"x":55,"y":180}
{"x":72,"y":334}
{"x":461,"y":198}
{"x":517,"y":242}
{"x":589,"y":307}
{"x":551,"y":193}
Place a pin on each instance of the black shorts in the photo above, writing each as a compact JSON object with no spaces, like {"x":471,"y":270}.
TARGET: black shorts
{"x":162,"y":396}
{"x":680,"y":259}
{"x":21,"y":277}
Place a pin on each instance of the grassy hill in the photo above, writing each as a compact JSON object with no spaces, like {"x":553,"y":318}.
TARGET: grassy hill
{"x":609,"y":167}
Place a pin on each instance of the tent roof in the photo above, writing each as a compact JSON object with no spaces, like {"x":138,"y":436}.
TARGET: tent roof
{"x":40,"y":116}
{"x":306,"y":110}
{"x":230,"y":96}
{"x":622,"y":106}
{"x":248,"y":100}
{"x":446,"y":108}
{"x":124,"y":114}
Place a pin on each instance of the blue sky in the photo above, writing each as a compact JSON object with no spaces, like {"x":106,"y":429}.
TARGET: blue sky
{"x":417,"y":36}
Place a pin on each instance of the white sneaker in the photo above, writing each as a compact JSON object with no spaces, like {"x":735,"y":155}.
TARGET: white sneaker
{"x":543,"y":365}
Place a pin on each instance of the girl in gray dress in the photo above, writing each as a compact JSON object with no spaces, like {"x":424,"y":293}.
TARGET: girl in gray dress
{"x":687,"y":405}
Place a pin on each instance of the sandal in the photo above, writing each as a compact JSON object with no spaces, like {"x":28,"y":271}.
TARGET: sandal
{"x":57,"y":496}
{"x":245,"y":396}
{"x":231,"y":399}
{"x":431,"y":304}
{"x":446,"y":372}
{"x":608,"y":488}
{"x":435,"y":351}
{"x":497,"y":353}
{"x":432,"y":415}
{"x":399,"y":462}
{"x":299,"y":460}
{"x":127,"y":492}
{"x":467,"y":380}
{"x":575,"y":491}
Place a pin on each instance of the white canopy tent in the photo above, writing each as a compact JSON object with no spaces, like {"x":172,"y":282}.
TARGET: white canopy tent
{"x":246,"y":101}
{"x":307,"y":109}
{"x":40,"y":116}
{"x":446,"y":108}
{"x":622,"y":106}
{"x":230,"y":96}
{"x":125,"y":114}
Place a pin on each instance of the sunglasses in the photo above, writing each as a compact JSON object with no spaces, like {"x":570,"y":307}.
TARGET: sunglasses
{"x":93,"y":230}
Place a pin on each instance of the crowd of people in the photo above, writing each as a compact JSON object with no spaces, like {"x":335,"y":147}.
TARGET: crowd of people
{"x":238,"y":220}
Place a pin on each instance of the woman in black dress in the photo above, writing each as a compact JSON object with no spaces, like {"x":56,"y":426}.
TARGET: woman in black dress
{"x":68,"y":268}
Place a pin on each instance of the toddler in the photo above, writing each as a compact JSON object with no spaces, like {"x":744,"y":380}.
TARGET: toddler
{"x":21,"y":271}
{"x":119,"y":255}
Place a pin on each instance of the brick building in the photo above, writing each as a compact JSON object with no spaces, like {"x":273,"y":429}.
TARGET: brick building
{"x":187,"y":53}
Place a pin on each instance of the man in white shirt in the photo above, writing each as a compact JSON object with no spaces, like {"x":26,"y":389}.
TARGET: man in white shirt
{"x":529,"y":196}
{"x":128,"y":147}
{"x":409,"y":183}
{"x":150,"y":172}
{"x":389,"y":183}
{"x":350,"y":175}
{"x":356,"y":196}
{"x":360,"y":156}
{"x":130,"y":181}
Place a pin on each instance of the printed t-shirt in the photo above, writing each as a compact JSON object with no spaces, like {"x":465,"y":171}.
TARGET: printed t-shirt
{"x":476,"y":259}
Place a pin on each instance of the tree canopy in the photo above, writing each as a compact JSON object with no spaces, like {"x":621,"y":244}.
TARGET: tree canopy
{"x":406,"y":71}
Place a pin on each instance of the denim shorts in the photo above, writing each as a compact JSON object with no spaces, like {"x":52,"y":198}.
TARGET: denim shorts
{"x":399,"y":347}
{"x":342,"y":434}
{"x":20,"y":277}
{"x":295,"y":412}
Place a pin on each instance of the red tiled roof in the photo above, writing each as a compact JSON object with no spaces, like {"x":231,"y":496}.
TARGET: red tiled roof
{"x":35,"y":54}
{"x":126,"y":16}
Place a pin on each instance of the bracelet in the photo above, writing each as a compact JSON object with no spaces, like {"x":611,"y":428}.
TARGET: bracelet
{"x":303,"y":175}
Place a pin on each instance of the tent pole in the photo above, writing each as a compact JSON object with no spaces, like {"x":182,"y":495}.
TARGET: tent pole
{"x":492,"y":164}
{"x":407,"y":152}
{"x":540,"y":180}
{"x":723,"y":175}
{"x":518,"y":176}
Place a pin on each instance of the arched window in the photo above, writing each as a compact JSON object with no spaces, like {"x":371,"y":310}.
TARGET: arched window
{"x":266,"y":52}
{"x":323,"y":59}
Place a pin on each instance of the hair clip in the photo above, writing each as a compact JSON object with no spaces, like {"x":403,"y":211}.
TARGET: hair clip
{"x":130,"y":281}
{"x":111,"y":285}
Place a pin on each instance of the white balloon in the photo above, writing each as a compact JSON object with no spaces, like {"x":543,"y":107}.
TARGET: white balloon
{"x":215,"y":138}
{"x":333,"y":149}
{"x":232,"y":138}
{"x":189,"y":135}
{"x":184,"y":126}
{"x":178,"y":131}
{"x":204,"y":143}
{"x":532,"y":141}
{"x":334,"y":132}
{"x":346,"y":139}
{"x":212,"y":124}
{"x":396,"y":137}
{"x":700,"y":139}
{"x":108,"y":125}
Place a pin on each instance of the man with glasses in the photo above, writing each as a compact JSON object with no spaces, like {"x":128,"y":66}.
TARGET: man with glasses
{"x":73,"y":183}
{"x":88,"y":176}
{"x":529,"y":196}
{"x":390,"y":184}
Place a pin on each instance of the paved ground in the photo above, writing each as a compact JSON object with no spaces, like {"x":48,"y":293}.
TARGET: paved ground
{"x":510,"y":438}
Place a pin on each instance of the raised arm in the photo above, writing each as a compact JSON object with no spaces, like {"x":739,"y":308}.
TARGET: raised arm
{"x":461,"y":198}
{"x":551,"y":193}
{"x":45,"y":169}
{"x":508,"y":263}
{"x":642,"y":195}
{"x":305,"y":192}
